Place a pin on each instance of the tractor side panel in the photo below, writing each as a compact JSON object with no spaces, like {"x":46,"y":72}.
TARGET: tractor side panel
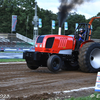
{"x":63,"y":45}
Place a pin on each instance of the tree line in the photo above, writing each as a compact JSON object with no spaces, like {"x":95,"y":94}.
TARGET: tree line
{"x":25,"y":9}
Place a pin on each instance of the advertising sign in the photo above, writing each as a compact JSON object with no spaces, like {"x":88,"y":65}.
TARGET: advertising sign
{"x":14,"y":22}
{"x":97,"y":85}
{"x":40,"y":22}
{"x":53,"y":24}
{"x":66,"y":26}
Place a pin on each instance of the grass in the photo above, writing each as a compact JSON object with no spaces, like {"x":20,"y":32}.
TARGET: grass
{"x":84,"y":98}
{"x":12,"y":52}
{"x":95,"y":96}
{"x":12,"y":60}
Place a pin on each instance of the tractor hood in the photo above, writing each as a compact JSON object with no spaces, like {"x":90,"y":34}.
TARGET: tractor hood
{"x":54,"y":43}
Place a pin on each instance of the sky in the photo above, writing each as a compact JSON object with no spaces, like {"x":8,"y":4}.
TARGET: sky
{"x":88,"y":9}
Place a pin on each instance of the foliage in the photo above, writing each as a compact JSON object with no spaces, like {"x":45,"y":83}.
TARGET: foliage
{"x":21,"y":8}
{"x":96,"y":34}
{"x":47,"y":17}
{"x":24,"y":9}
{"x":96,"y":27}
{"x":95,"y":96}
{"x":72,"y":20}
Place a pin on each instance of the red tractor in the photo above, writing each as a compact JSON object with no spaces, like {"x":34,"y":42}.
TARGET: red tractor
{"x":63,"y":52}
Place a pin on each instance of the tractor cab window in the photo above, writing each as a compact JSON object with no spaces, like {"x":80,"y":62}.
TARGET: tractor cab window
{"x":82,"y":34}
{"x":40,"y":39}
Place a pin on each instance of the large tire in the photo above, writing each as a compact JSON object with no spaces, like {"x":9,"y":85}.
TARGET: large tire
{"x":70,"y":65}
{"x":54,"y":63}
{"x":31,"y":65}
{"x":89,"y":57}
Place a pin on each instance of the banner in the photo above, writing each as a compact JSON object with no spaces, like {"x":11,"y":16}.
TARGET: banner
{"x":53,"y":24}
{"x":76,"y":25}
{"x":14,"y":22}
{"x":97,"y":85}
{"x":91,"y":27}
{"x":66,"y":26}
{"x":40,"y":23}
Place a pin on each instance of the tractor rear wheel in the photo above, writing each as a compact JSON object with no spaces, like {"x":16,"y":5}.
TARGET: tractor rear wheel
{"x":54,"y":63}
{"x":89,"y":57}
{"x":31,"y":65}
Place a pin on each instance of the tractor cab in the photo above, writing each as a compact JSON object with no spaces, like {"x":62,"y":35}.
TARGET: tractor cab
{"x":83,"y":29}
{"x":86,"y":29}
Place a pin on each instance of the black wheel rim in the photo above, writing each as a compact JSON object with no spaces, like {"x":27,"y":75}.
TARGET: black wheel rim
{"x":56,"y":64}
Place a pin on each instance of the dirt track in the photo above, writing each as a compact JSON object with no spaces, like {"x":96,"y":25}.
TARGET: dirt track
{"x":19,"y":81}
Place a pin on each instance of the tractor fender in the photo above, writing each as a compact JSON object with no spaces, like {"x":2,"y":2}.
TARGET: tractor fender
{"x":85,"y":43}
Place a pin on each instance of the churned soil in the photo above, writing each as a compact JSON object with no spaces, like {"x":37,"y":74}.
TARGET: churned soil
{"x":20,"y":83}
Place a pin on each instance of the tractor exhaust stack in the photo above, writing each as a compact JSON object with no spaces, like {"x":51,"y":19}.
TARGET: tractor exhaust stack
{"x":59,"y":31}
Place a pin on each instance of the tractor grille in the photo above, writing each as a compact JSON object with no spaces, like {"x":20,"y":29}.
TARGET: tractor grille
{"x":62,"y":42}
{"x":50,"y":42}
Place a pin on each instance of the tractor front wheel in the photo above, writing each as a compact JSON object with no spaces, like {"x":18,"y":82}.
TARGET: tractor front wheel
{"x":54,"y":63}
{"x":31,"y":65}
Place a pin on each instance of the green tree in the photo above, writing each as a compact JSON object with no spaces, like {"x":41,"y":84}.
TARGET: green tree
{"x":47,"y":17}
{"x":72,"y":20}
{"x":21,"y":8}
{"x":96,"y":33}
{"x":96,"y":25}
{"x":25,"y":9}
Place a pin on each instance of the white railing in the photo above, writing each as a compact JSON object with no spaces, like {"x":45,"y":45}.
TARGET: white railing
{"x":96,"y":40}
{"x":25,"y":39}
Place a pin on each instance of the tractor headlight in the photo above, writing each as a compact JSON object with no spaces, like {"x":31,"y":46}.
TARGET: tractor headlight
{"x":36,"y":45}
{"x":40,"y":45}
